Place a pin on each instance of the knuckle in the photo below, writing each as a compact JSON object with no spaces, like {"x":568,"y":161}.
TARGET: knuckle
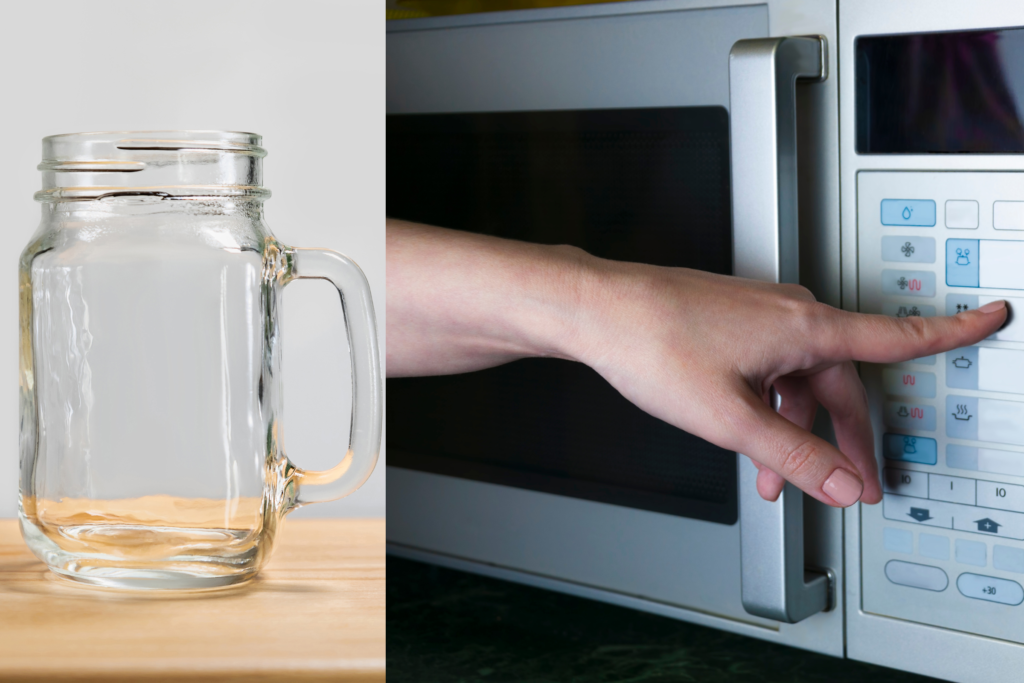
{"x":798,"y":292}
{"x":800,"y":459}
{"x":811,"y":319}
{"x":915,"y":330}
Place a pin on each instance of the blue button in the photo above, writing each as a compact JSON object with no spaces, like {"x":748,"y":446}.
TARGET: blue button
{"x":962,"y":368}
{"x":962,"y":457}
{"x":910,"y":449}
{"x":919,"y":212}
{"x":961,"y":417}
{"x":958,"y":303}
{"x":962,"y":258}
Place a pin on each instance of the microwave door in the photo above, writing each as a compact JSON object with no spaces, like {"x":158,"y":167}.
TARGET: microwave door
{"x":605,"y":126}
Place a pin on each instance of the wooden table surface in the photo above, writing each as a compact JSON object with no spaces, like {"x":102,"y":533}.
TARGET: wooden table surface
{"x":316,"y":613}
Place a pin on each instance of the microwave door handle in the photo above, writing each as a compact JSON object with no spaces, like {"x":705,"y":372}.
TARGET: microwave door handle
{"x":763,"y":76}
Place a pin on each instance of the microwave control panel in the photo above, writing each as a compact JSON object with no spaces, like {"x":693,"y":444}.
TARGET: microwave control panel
{"x":946,"y":545}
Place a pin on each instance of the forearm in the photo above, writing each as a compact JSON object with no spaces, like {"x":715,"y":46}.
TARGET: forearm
{"x":459,"y":302}
{"x":697,"y":350}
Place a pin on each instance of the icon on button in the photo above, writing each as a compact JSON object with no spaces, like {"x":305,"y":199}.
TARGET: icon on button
{"x":962,"y":363}
{"x":906,"y":213}
{"x":912,"y":312}
{"x":962,"y":257}
{"x":907,"y":249}
{"x":987,"y":525}
{"x":903,"y":412}
{"x":961,"y":413}
{"x":920,"y":514}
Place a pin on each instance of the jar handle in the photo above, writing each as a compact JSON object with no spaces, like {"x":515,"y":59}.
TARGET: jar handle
{"x":367,"y":395}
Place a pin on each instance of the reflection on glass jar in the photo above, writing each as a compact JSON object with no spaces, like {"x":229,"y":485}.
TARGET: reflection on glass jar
{"x":151,"y":450}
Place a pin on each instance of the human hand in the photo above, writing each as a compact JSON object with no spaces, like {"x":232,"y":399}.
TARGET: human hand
{"x":702,"y":351}
{"x":698,"y":350}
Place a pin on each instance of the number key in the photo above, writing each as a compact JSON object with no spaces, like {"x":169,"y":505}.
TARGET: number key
{"x":951,"y":489}
{"x":993,"y":494}
{"x":906,"y":482}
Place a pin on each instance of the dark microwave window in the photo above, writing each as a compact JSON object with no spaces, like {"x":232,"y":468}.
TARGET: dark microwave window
{"x":645,"y":185}
{"x":937,"y":93}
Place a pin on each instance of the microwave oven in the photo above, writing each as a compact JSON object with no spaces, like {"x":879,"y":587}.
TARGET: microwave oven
{"x":870,"y":150}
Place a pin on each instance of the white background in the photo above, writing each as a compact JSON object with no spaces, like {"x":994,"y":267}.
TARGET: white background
{"x":307,"y":75}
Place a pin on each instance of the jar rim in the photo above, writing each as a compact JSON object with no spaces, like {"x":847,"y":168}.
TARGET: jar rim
{"x":160,"y":131}
{"x":178,"y":163}
{"x":65,"y":146}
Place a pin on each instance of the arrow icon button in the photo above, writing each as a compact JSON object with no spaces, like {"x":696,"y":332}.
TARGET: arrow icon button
{"x":920,"y":514}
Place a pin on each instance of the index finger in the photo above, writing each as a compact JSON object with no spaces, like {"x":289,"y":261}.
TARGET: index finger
{"x":884,"y":339}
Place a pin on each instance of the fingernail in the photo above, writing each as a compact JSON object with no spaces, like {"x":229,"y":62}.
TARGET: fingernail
{"x":992,"y":306}
{"x":843,"y":487}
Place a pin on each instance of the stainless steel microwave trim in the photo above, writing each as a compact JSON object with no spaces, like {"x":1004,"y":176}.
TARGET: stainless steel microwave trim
{"x":927,"y":650}
{"x":612,"y":9}
{"x":763,"y":76}
{"x":765,"y":631}
{"x":650,"y":53}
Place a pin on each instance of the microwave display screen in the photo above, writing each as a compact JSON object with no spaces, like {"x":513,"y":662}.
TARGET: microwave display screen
{"x":941,"y":93}
{"x":644,"y":185}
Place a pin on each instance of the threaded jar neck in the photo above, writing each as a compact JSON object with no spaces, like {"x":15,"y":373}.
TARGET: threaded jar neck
{"x":172,"y":164}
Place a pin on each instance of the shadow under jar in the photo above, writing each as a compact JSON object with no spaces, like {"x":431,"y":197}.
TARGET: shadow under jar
{"x":150,"y":363}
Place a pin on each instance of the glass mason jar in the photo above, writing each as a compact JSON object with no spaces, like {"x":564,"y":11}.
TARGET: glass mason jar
{"x":150,"y":363}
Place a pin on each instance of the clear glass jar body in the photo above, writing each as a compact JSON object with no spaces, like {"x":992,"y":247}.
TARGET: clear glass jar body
{"x":151,"y":451}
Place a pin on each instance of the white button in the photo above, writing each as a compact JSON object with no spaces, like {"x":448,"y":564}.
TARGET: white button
{"x":916,"y":575}
{"x":999,"y":264}
{"x":962,"y":213}
{"x":1008,"y":559}
{"x":935,"y":547}
{"x":993,"y":494}
{"x":1001,"y":462}
{"x":906,"y":483}
{"x":918,"y":511}
{"x":986,"y":521}
{"x":908,"y":383}
{"x":898,"y":540}
{"x":1001,"y":421}
{"x":971,"y":552}
{"x":1014,"y":329}
{"x":951,"y":489}
{"x":990,"y":588}
{"x":989,"y":522}
{"x":1008,"y":215}
{"x":1000,"y":370}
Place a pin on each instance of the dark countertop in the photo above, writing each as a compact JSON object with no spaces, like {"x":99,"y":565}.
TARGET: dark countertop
{"x":446,"y":626}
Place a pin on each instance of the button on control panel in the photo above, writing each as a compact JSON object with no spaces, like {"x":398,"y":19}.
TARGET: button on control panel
{"x":921,"y":498}
{"x":946,"y":545}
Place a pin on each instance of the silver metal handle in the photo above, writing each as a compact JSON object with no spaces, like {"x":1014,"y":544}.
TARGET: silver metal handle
{"x":763,"y":75}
